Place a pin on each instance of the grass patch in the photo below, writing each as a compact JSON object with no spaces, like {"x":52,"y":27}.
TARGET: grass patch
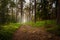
{"x":43,"y":23}
{"x":7,"y":31}
{"x":49,"y":25}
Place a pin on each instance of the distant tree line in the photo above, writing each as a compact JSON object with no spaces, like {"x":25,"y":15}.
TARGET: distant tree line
{"x":7,"y":10}
{"x":43,"y":10}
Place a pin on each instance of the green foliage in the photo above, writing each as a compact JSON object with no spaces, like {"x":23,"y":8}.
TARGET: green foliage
{"x":50,"y":26}
{"x":45,"y":10}
{"x":12,"y":4}
{"x":4,"y":10}
{"x":42,"y":23}
{"x":7,"y":31}
{"x":54,"y":29}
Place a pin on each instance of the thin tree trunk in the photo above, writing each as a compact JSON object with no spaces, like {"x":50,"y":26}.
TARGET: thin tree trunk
{"x":29,"y":14}
{"x":7,"y":16}
{"x":21,"y":9}
{"x":16,"y":15}
{"x":32,"y":13}
{"x":12,"y":14}
{"x":16,"y":10}
{"x":35,"y":10}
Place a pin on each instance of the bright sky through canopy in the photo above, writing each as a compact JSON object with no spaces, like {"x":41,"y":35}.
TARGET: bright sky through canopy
{"x":27,"y":1}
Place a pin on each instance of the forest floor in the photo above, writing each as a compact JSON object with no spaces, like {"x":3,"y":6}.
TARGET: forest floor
{"x":26,"y":32}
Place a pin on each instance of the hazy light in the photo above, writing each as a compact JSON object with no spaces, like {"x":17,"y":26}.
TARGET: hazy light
{"x":27,"y":1}
{"x":24,"y":20}
{"x":53,"y":5}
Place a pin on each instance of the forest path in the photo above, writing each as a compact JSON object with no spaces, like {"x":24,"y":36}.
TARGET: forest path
{"x":26,"y":32}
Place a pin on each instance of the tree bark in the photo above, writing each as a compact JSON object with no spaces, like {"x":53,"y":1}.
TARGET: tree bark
{"x":58,"y":12}
{"x":35,"y":10}
{"x":21,"y":9}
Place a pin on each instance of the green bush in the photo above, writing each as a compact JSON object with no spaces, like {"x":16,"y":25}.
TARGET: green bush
{"x":42,"y":23}
{"x":55,"y":30}
{"x":7,"y":31}
{"x":50,"y":26}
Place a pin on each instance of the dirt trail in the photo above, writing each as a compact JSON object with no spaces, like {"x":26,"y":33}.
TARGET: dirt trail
{"x":27,"y":32}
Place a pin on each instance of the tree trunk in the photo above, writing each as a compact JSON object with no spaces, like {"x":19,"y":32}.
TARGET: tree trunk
{"x":21,"y":9}
{"x":32,"y":13}
{"x":58,"y":12}
{"x":16,"y":10}
{"x":12,"y":15}
{"x":35,"y":10}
